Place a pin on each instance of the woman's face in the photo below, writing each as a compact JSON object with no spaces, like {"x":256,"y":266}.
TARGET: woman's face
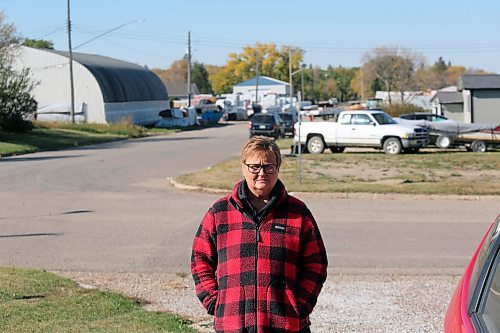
{"x":260,"y":183}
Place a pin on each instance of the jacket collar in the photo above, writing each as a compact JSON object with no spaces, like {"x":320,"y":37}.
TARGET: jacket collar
{"x":240,"y":191}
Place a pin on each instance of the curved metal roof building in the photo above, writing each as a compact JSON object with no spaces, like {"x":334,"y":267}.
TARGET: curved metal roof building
{"x":106,"y":90}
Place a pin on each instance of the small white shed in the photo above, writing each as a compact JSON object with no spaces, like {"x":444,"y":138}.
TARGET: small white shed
{"x":106,"y":90}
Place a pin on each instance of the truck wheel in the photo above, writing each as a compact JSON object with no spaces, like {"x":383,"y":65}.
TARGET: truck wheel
{"x":443,"y":141}
{"x":392,"y":146}
{"x":315,"y":145}
{"x":478,"y":146}
{"x":337,"y":149}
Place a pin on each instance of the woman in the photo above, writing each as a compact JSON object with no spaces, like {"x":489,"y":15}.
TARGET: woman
{"x":258,"y":260}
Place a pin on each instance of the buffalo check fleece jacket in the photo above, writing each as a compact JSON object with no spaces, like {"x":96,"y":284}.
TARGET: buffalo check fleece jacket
{"x":259,"y":272}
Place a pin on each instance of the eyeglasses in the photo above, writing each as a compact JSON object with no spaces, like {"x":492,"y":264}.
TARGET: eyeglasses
{"x":268,"y":168}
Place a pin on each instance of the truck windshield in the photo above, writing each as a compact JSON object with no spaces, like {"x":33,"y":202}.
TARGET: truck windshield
{"x":383,"y":118}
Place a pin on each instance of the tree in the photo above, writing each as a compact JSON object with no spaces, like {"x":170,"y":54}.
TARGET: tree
{"x":272,"y":62}
{"x":395,"y":68}
{"x":441,"y":74}
{"x":312,"y":78}
{"x":440,"y":66}
{"x":359,"y":85}
{"x":328,"y":88}
{"x":16,"y":102}
{"x":177,"y":73}
{"x":343,"y":77}
{"x":38,"y":43}
{"x":199,"y":75}
{"x":433,"y":77}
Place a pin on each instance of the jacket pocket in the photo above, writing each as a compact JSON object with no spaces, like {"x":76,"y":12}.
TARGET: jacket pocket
{"x":230,"y":310}
{"x":282,"y":306}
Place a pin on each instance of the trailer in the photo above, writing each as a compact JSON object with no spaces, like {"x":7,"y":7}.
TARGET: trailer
{"x":450,"y":133}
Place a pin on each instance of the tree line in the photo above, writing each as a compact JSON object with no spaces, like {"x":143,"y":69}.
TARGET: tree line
{"x":392,"y":69}
{"x":386,"y":68}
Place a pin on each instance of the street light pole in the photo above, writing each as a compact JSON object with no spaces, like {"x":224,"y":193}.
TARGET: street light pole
{"x":299,"y":97}
{"x":299,"y":159}
{"x":299,"y":119}
{"x":302,"y":81}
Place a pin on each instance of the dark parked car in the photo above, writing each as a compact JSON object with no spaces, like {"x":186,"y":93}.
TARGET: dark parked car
{"x":268,"y":124}
{"x":475,"y":305}
{"x":423,"y":116}
{"x":289,"y":120}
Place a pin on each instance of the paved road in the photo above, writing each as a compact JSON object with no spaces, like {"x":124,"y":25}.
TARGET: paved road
{"x":109,"y":208}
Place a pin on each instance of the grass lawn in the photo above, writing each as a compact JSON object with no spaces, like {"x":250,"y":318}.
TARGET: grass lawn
{"x":38,"y":301}
{"x":55,"y":136}
{"x":42,"y":139}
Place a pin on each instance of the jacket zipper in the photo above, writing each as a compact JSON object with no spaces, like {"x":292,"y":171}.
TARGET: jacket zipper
{"x":258,"y":223}
{"x":258,"y":240}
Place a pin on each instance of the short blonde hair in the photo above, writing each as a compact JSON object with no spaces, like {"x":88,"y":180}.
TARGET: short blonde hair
{"x":261,"y":144}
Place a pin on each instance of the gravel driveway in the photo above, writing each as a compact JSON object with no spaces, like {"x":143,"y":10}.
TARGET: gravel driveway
{"x":348,"y":303}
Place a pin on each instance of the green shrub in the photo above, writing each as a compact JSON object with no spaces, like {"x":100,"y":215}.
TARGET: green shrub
{"x":398,"y":109}
{"x":17,"y":105}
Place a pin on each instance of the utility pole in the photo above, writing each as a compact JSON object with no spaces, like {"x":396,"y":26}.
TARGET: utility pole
{"x":189,"y":69}
{"x":257,"y":77}
{"x":362,"y":85}
{"x":291,"y":75}
{"x":312,"y":82}
{"x":71,"y":84}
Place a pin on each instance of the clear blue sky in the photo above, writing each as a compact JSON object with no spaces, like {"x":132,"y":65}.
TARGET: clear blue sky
{"x":331,"y":32}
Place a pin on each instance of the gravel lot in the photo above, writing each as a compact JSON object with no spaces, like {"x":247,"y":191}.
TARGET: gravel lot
{"x":348,"y":303}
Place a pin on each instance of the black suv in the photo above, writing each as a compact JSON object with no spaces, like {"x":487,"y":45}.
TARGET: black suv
{"x":268,"y":124}
{"x":289,"y":120}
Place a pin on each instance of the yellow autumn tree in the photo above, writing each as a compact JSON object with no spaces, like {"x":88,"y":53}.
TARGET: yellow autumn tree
{"x":243,"y":66}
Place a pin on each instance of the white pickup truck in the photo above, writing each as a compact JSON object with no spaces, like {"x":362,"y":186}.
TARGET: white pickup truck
{"x":361,"y":128}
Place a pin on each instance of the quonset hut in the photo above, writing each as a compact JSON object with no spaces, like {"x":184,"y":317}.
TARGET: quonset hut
{"x":106,"y":90}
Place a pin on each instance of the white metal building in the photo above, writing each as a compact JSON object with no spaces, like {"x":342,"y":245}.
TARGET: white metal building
{"x":106,"y":90}
{"x":264,"y":85}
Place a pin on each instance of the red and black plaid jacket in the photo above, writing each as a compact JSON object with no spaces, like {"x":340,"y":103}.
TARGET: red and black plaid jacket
{"x":259,"y":277}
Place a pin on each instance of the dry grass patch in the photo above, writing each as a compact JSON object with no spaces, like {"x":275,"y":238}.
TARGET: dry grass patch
{"x":430,"y":172}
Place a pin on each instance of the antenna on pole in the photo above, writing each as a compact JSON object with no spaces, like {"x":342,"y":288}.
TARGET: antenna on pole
{"x":189,"y":69}
{"x":72,"y":86}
